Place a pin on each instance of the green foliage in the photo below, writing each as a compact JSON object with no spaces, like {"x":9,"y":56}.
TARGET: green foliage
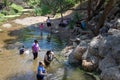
{"x":77,"y":16}
{"x":33,"y":3}
{"x":2,"y":15}
{"x":4,"y":12}
{"x":71,"y":24}
{"x":55,"y":6}
{"x":12,"y":12}
{"x":45,"y":10}
{"x":6,"y":2}
{"x":16,"y":7}
{"x":37,"y":11}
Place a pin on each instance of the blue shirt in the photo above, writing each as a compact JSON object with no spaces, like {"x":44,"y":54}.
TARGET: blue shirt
{"x":40,"y":68}
{"x":83,"y":24}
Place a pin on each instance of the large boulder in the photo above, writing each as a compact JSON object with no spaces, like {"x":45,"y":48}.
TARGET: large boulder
{"x":112,"y":73}
{"x":104,"y":52}
{"x":76,"y":55}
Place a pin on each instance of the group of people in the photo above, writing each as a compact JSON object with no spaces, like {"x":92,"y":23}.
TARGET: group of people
{"x":41,"y":71}
{"x":48,"y":21}
{"x":49,"y":56}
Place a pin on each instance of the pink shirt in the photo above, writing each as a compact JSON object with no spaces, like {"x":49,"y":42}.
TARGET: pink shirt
{"x":41,"y":26}
{"x":35,"y":47}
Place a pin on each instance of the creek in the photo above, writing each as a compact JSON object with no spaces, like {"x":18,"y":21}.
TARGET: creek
{"x":23,"y":67}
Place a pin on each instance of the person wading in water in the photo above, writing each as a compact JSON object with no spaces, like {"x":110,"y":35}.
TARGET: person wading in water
{"x":35,"y":49}
{"x":48,"y":58}
{"x":41,"y":72}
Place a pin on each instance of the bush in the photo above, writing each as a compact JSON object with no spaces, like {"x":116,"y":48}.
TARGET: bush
{"x":4,"y":12}
{"x":77,"y":16}
{"x":45,"y":10}
{"x":37,"y":11}
{"x":16,"y":7}
{"x":71,"y":24}
{"x":2,"y":15}
{"x":12,"y":12}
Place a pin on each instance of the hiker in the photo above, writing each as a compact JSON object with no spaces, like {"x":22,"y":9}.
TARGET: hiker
{"x":22,"y":50}
{"x":48,"y":22}
{"x":48,"y":58}
{"x":35,"y":49}
{"x":41,"y":72}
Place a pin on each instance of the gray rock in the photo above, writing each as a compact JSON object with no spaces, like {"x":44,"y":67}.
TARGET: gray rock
{"x":76,"y":55}
{"x":112,"y":73}
{"x":104,"y":51}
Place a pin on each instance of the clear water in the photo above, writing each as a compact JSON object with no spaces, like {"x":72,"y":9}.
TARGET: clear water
{"x":23,"y":67}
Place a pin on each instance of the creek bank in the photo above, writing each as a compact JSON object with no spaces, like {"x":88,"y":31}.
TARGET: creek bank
{"x":101,"y":53}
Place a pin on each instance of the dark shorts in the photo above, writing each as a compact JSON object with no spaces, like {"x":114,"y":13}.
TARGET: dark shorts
{"x":21,"y":51}
{"x":35,"y":55}
{"x":39,"y":77}
{"x":46,"y":63}
{"x":49,"y":24}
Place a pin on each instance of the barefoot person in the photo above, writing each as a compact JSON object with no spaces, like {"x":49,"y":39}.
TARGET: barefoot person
{"x":35,"y":49}
{"x":41,"y":72}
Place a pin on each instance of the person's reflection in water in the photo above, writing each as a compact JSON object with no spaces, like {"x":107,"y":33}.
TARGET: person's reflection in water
{"x":41,"y":26}
{"x":41,"y":35}
{"x":49,"y":37}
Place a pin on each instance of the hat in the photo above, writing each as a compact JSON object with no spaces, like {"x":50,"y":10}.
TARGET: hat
{"x":41,"y":63}
{"x":52,"y":52}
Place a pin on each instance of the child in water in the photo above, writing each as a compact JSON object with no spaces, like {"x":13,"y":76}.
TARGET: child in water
{"x":22,"y":50}
{"x":41,"y":26}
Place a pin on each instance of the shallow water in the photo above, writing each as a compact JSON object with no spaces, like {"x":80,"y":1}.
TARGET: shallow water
{"x":23,"y":67}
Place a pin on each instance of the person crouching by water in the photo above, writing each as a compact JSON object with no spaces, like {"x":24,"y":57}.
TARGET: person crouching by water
{"x":48,"y":58}
{"x":22,"y":50}
{"x":35,"y":49}
{"x":41,"y":72}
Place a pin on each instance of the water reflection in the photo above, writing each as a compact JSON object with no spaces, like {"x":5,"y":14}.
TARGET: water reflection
{"x":23,"y":67}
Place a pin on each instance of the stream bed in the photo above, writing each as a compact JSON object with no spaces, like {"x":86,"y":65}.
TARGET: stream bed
{"x":23,"y":67}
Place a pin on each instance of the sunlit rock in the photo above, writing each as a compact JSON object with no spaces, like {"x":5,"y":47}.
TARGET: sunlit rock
{"x":87,"y":65}
{"x":104,"y":52}
{"x":76,"y":55}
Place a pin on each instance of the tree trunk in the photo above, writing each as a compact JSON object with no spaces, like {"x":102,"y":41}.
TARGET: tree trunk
{"x":89,"y":10}
{"x":107,"y":9}
{"x":97,"y":8}
{"x":61,"y":9}
{"x":99,"y":4}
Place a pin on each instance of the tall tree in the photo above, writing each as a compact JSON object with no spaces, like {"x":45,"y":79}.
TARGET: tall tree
{"x":107,"y":9}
